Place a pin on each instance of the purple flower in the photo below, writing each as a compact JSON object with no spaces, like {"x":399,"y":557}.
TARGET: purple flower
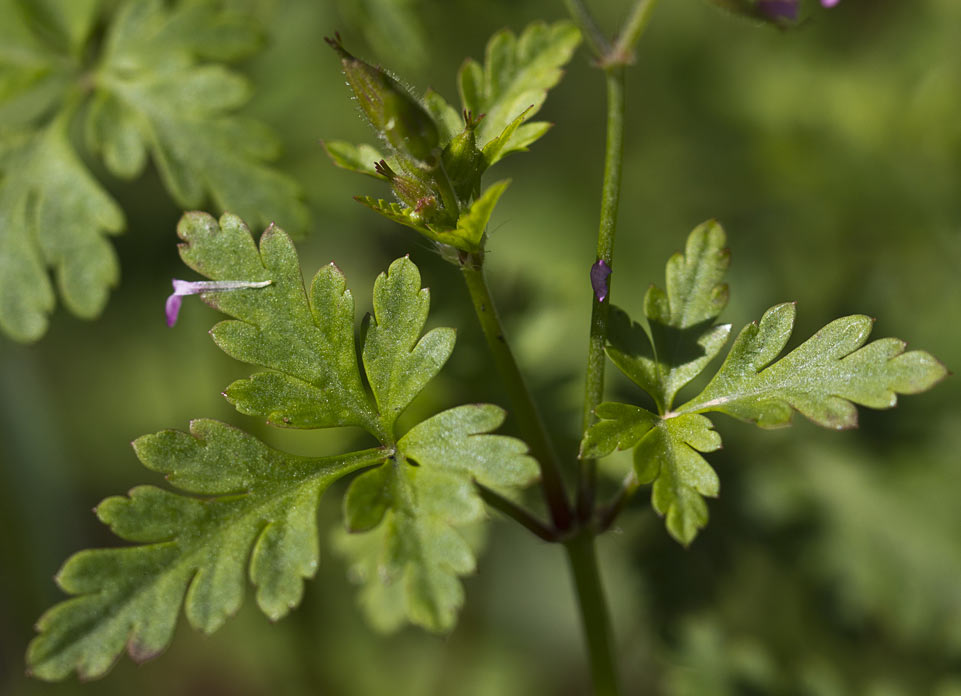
{"x":829,"y":3}
{"x":599,"y":273}
{"x":187,"y":287}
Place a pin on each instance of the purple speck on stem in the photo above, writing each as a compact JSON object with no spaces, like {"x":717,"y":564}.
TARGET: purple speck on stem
{"x":599,"y":273}
{"x":187,"y":287}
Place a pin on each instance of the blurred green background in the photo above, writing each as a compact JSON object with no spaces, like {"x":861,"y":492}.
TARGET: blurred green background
{"x":832,"y":562}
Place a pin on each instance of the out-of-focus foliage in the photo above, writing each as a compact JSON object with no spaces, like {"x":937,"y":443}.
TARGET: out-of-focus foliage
{"x":831,"y":154}
{"x":142,"y":78}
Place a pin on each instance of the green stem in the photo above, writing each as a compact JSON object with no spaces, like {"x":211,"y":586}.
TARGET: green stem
{"x":516,"y":513}
{"x":524,"y":409}
{"x":610,"y":196}
{"x":632,"y":30}
{"x":599,"y":44}
{"x":582,"y":557}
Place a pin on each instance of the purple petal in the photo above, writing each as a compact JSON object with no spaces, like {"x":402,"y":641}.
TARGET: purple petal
{"x":173,"y":308}
{"x":780,"y":9}
{"x":195,"y":287}
{"x":599,"y":273}
{"x":829,"y":3}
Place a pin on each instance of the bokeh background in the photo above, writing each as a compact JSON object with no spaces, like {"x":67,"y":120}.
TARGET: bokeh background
{"x":832,"y":562}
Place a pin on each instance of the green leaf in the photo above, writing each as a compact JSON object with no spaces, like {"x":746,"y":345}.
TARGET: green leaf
{"x":515,"y":78}
{"x":257,"y":518}
{"x":398,"y":361}
{"x":822,"y":378}
{"x":152,"y":94}
{"x":355,"y":158}
{"x":472,"y":224}
{"x":307,"y":339}
{"x":256,"y":510}
{"x":620,"y":427}
{"x":683,"y":338}
{"x":415,"y":505}
{"x":53,"y":214}
{"x":668,"y":455}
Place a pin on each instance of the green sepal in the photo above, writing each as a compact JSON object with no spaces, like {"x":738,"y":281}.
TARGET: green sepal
{"x":683,"y":338}
{"x":257,"y":519}
{"x":472,"y":224}
{"x":822,"y":378}
{"x":411,"y":558}
{"x":669,"y":456}
{"x":462,"y":160}
{"x":393,"y":112}
{"x":355,"y":158}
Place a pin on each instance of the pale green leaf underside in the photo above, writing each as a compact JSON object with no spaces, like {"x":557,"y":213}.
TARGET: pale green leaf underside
{"x":822,"y":378}
{"x":516,"y":75}
{"x":683,"y":338}
{"x":257,"y":519}
{"x":180,"y":111}
{"x":53,"y":215}
{"x":410,"y":510}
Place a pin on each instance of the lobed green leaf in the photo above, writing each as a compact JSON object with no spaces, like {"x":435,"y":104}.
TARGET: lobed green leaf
{"x":52,"y":214}
{"x":260,"y":522}
{"x":307,"y":340}
{"x":398,"y":361}
{"x":683,"y":338}
{"x":152,"y":95}
{"x":822,"y":378}
{"x":412,"y":508}
{"x":515,"y":77}
{"x":669,"y":457}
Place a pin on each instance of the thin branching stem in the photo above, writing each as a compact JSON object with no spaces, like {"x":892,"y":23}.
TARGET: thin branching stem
{"x":517,"y":513}
{"x":524,"y":408}
{"x":623,"y":49}
{"x":595,"y":38}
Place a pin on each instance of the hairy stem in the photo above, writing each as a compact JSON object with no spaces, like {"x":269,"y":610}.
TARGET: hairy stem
{"x":524,"y":408}
{"x":595,"y":619}
{"x":610,"y":196}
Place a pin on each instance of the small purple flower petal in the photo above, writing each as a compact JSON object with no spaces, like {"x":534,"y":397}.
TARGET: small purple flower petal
{"x":780,"y":9}
{"x":599,"y":273}
{"x":187,"y":287}
{"x":829,"y":3}
{"x":173,"y":308}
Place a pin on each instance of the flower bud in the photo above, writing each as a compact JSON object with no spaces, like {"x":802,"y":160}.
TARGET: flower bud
{"x":412,"y":192}
{"x":391,"y":110}
{"x":462,"y":159}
